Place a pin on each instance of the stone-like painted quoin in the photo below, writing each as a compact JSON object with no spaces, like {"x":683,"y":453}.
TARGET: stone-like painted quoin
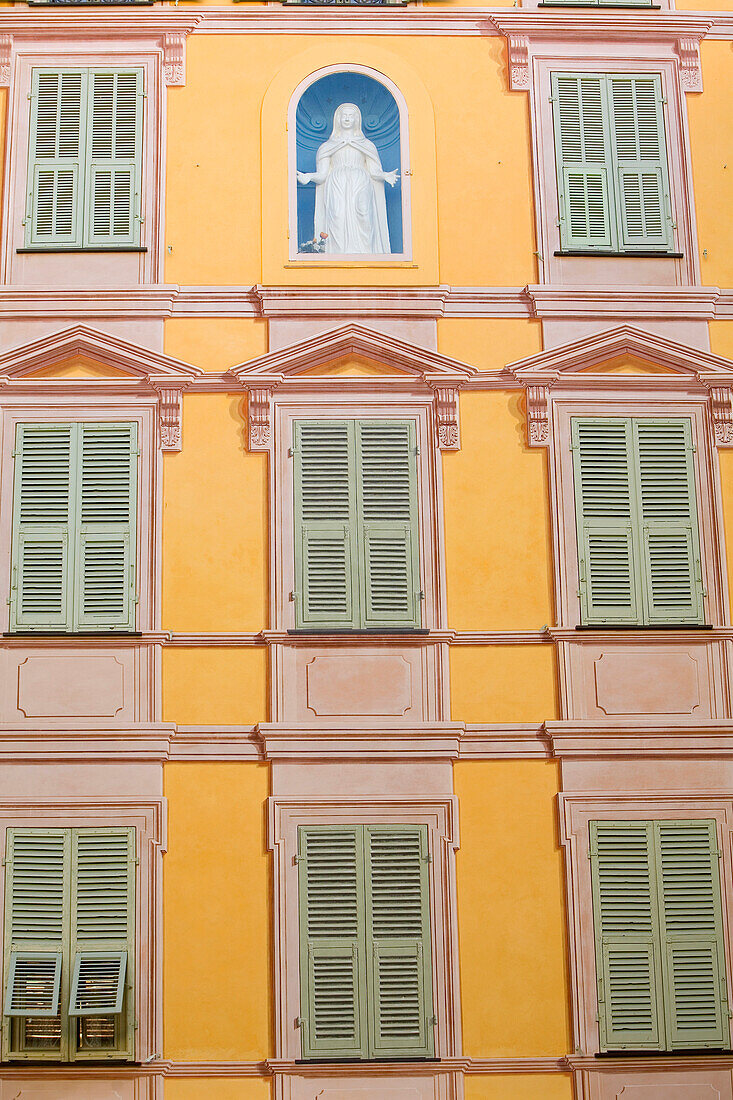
{"x":366,"y":405}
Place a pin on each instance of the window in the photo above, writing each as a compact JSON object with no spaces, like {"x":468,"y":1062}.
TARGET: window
{"x":84,"y":159}
{"x":69,"y":944}
{"x":356,"y":530}
{"x":74,"y":504}
{"x":660,"y":961}
{"x":613,"y":184}
{"x":365,"y":957}
{"x":636,"y":509}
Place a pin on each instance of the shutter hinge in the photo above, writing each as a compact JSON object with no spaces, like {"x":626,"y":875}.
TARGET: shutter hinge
{"x":291,"y":452}
{"x":292,"y":596}
{"x":421,"y":595}
{"x":428,"y":858}
{"x":664,"y":99}
{"x":432,"y":1021}
{"x":298,"y":859}
{"x":417,"y":450}
{"x":299,"y":1021}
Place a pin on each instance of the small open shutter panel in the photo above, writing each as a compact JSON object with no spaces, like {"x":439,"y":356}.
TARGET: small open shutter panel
{"x":605,"y":509}
{"x":43,"y":526}
{"x":628,"y":953}
{"x":113,"y":182}
{"x":332,"y":941}
{"x":583,"y":160}
{"x":692,"y":934}
{"x":387,"y":513}
{"x":398,"y":941}
{"x":37,"y":863}
{"x":56,"y":165}
{"x":325,"y":519}
{"x":668,"y":518}
{"x":102,"y":919}
{"x":105,"y":557}
{"x":640,"y":160}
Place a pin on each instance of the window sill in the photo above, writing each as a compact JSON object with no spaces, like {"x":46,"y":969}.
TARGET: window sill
{"x":637,"y":254}
{"x":361,"y":1061}
{"x":110,"y":248}
{"x":369,"y":633}
{"x":700,"y":1052}
{"x":645,"y":627}
{"x":72,"y":634}
{"x":605,"y":7}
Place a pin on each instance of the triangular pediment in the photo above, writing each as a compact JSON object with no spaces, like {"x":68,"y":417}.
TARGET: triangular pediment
{"x":623,"y":351}
{"x":82,"y":354}
{"x":352,"y":350}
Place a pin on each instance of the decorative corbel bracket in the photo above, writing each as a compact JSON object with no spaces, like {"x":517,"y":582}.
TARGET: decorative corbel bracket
{"x":446,"y":416}
{"x":690,"y":68}
{"x":538,"y":415}
{"x":174,"y":57}
{"x":518,"y":46}
{"x":169,"y":413}
{"x":721,"y":410}
{"x":6,"y":59}
{"x":259,"y":416}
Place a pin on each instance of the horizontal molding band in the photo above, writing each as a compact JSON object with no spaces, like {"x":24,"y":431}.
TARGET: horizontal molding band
{"x":162,"y":301}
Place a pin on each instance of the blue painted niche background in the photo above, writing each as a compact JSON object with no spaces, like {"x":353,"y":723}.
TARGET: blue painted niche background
{"x":380,"y":118}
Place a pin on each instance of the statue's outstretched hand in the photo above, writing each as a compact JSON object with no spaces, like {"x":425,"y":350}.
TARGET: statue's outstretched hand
{"x":304,"y":177}
{"x":391,"y":177}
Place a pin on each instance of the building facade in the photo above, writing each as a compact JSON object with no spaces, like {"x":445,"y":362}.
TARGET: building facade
{"x":366,"y":405}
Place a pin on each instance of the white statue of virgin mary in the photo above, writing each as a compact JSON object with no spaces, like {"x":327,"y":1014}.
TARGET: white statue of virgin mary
{"x":351,"y":211}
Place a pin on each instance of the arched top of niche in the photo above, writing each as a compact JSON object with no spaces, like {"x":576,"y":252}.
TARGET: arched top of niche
{"x":384,"y":116}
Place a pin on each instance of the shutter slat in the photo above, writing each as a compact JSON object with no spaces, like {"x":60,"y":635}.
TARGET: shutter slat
{"x":398,"y":941}
{"x":98,"y":983}
{"x":332,"y":945}
{"x":692,"y":929}
{"x":628,"y":962}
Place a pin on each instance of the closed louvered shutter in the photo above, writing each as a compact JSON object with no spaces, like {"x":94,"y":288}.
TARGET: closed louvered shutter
{"x":387,"y":511}
{"x":105,"y":557}
{"x":398,"y":941}
{"x":628,"y":950}
{"x":56,"y":163}
{"x":606,"y":520}
{"x":325,"y":524}
{"x":113,"y":181}
{"x":36,"y":908}
{"x":332,"y":942}
{"x":43,"y":527}
{"x":692,"y":934}
{"x":641,"y":161}
{"x":583,"y":160}
{"x":668,"y":518}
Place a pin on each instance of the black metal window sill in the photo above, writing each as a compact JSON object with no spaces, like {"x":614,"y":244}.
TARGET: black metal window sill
{"x":637,"y":254}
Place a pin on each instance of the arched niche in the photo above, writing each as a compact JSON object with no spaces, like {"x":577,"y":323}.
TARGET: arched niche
{"x":383,"y":231}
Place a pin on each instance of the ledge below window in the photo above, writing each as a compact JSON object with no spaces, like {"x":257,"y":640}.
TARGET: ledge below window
{"x":111,"y":248}
{"x":638,"y":254}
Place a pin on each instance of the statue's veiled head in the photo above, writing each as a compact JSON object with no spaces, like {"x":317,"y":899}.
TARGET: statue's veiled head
{"x":347,"y":120}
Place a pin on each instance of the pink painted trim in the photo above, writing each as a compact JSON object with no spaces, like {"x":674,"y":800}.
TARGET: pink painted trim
{"x":149,"y":817}
{"x":576,"y":810}
{"x":439,"y":741}
{"x":440,"y":815}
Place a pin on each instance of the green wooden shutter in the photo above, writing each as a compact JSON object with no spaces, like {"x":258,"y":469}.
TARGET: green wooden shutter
{"x":114,"y":149}
{"x":36,"y":906}
{"x":103,"y":923}
{"x":105,"y":557}
{"x":640,"y":160}
{"x":692,"y":934}
{"x":583,"y":152}
{"x":56,"y":157}
{"x":398,"y":941}
{"x":668,"y":517}
{"x":332,"y":941}
{"x":606,"y":517}
{"x":628,"y":949}
{"x":325,"y":524}
{"x":41,"y":589}
{"x":388,"y":525}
